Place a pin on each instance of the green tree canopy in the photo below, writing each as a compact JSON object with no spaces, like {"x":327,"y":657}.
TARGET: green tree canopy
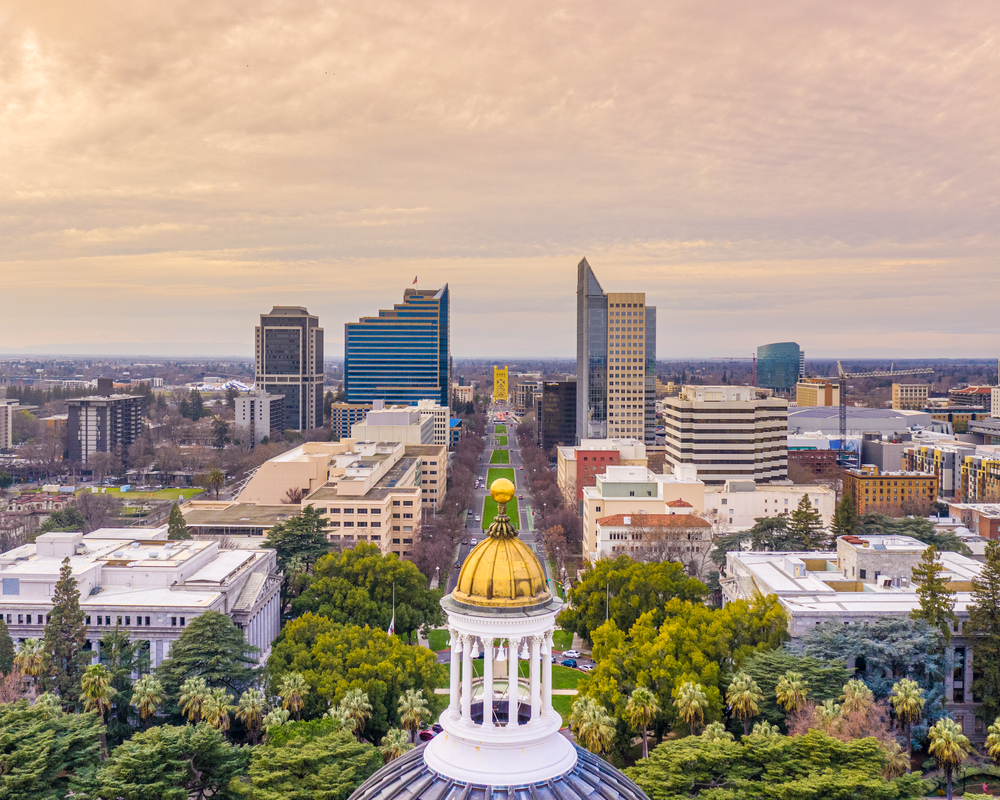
{"x":314,"y":760}
{"x":984,"y":625}
{"x":213,"y":648}
{"x":65,"y":637}
{"x":335,"y":658}
{"x":937,"y":602}
{"x":919,"y":528}
{"x":825,"y":679}
{"x":768,"y":534}
{"x":634,"y":588}
{"x":355,"y":587}
{"x":171,"y":763}
{"x":845,"y":518}
{"x":805,"y":526}
{"x":42,"y":750}
{"x":6,"y":649}
{"x":814,"y":766}
{"x":66,"y":519}
{"x":123,"y":657}
{"x":176,"y":527}
{"x":298,"y":543}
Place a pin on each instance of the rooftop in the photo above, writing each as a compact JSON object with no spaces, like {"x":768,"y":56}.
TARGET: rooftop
{"x":660,"y":520}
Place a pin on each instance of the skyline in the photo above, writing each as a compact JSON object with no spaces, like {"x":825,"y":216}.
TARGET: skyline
{"x":816,"y":174}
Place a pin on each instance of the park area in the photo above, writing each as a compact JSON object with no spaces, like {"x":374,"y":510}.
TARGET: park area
{"x":490,"y":506}
{"x":160,"y":494}
{"x":502,"y":441}
{"x":500,"y":457}
{"x":499,"y":428}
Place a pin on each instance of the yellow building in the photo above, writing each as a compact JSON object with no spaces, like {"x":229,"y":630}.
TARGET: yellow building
{"x":816,"y":392}
{"x":910,"y":396}
{"x":500,"y":394}
{"x":891,"y":493}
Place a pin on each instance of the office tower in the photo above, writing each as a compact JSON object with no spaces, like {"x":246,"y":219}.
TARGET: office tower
{"x":555,"y":413}
{"x":102,"y":425}
{"x":260,"y":415}
{"x":727,"y":433}
{"x":7,"y":410}
{"x":615,"y":362}
{"x":779,"y":366}
{"x":289,"y":362}
{"x":404,"y":354}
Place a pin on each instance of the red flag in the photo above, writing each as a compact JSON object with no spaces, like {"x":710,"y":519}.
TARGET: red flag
{"x":414,"y":281}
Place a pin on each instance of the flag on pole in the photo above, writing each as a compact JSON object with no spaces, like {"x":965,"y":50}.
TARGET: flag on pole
{"x":414,"y":280}
{"x":392,"y":625}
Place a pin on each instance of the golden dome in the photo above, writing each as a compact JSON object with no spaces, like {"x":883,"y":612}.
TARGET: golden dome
{"x":501,"y":571}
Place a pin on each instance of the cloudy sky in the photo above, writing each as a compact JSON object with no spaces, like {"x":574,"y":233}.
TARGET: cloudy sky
{"x":823,"y":172}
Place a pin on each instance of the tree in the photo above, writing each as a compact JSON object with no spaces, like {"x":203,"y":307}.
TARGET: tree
{"x":251,"y":711}
{"x":623,"y":589}
{"x":716,"y":732}
{"x":984,"y":626}
{"x":806,"y":526}
{"x":856,"y":697}
{"x":6,"y":480}
{"x":845,"y":518}
{"x":123,"y":658}
{"x":355,"y":587}
{"x":298,"y":543}
{"x":744,"y":698}
{"x":413,"y":710}
{"x":66,"y":519}
{"x":193,"y":694}
{"x":216,"y":480}
{"x":176,"y":527}
{"x":30,"y":659}
{"x":642,"y":709}
{"x":216,"y":709}
{"x":592,"y":725}
{"x":394,"y":744}
{"x":168,"y":762}
{"x":43,"y":751}
{"x":357,"y":709}
{"x":293,"y":689}
{"x":791,"y":691}
{"x":65,"y":637}
{"x":918,"y":527}
{"x":691,"y":702}
{"x":937,"y":602}
{"x":308,"y":761}
{"x":6,"y":649}
{"x":993,"y":741}
{"x":907,"y":701}
{"x":814,"y":765}
{"x":213,"y":648}
{"x":196,"y":406}
{"x":98,"y":510}
{"x":220,"y":433}
{"x":96,"y":695}
{"x":147,"y":697}
{"x":948,"y":746}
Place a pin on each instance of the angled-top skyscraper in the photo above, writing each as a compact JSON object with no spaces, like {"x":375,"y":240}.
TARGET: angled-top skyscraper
{"x":402,"y":355}
{"x":615,"y":362}
{"x":289,"y":362}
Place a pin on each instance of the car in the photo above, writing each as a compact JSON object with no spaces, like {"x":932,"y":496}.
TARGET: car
{"x":587,"y":668}
{"x":569,"y":662}
{"x":520,"y":497}
{"x":465,"y":541}
{"x":475,"y":541}
{"x":571,"y":654}
{"x":457,"y":565}
{"x":520,"y":467}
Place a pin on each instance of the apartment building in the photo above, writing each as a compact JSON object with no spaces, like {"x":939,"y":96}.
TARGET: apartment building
{"x":524,"y":395}
{"x":7,"y":410}
{"x":910,"y":396}
{"x":463,"y":394}
{"x":895,"y":494}
{"x":102,"y":425}
{"x":134,"y":579}
{"x":727,"y":433}
{"x":965,"y":472}
{"x":260,"y":415}
{"x":289,"y":361}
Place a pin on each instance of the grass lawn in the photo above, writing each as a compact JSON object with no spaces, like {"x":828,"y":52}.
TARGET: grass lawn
{"x":564,"y":677}
{"x":563,"y":704}
{"x":500,"y":457}
{"x":437,"y":639}
{"x":501,"y":428}
{"x":162,"y":494}
{"x":490,"y":506}
{"x":502,"y":441}
{"x":562,"y":640}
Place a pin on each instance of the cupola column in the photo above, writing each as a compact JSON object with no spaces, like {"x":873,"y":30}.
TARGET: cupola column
{"x":512,"y":687}
{"x":456,"y":652}
{"x":467,"y":678}
{"x":547,"y":677}
{"x":536,"y":699}
{"x":488,"y":684}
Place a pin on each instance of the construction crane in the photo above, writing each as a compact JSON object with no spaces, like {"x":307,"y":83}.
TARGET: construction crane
{"x":841,"y":379}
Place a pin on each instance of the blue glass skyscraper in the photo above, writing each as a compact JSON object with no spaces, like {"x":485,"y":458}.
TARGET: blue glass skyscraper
{"x":403,"y":355}
{"x":779,"y":366}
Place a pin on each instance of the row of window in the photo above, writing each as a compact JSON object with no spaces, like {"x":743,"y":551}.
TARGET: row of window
{"x":100,"y":619}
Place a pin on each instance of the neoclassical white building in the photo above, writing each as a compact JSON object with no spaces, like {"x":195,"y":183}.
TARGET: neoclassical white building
{"x":501,"y":735}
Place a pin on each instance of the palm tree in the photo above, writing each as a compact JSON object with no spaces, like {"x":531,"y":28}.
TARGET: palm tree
{"x":251,"y":711}
{"x":342,"y":720}
{"x":592,"y":725}
{"x":194,"y":693}
{"x":949,"y":746}
{"x":896,"y":761}
{"x":357,"y":709}
{"x":691,"y":702}
{"x":716,"y":732}
{"x":96,"y":695}
{"x":744,"y":699}
{"x":293,"y":688}
{"x":413,"y":709}
{"x":641,"y":710}
{"x":829,"y":711}
{"x":907,"y":700}
{"x":216,"y":708}
{"x":394,"y":744}
{"x":764,"y":728}
{"x":791,"y":691}
{"x":30,"y":659}
{"x":856,"y":697}
{"x":275,"y":718}
{"x":49,"y":702}
{"x":992,"y":741}
{"x":216,"y":480}
{"x":147,"y":696}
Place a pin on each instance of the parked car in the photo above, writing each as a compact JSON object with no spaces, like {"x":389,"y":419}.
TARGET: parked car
{"x":426,"y":735}
{"x":571,"y":654}
{"x":475,"y":541}
{"x":569,"y":662}
{"x":465,"y":541}
{"x":587,"y":668}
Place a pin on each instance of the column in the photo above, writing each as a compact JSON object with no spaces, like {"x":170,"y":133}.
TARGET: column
{"x":512,"y":684}
{"x":536,"y":698}
{"x":968,"y":671}
{"x":949,"y":674}
{"x":488,"y":684}
{"x":547,"y":677}
{"x":456,"y":651}
{"x":467,"y":678}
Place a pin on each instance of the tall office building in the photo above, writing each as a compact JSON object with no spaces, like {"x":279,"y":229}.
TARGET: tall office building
{"x":102,"y":424}
{"x":615,"y":362}
{"x":403,"y":355}
{"x":780,"y":365}
{"x":289,"y":362}
{"x":7,"y":410}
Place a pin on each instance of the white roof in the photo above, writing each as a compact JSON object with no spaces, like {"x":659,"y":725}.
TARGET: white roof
{"x":220,"y":568}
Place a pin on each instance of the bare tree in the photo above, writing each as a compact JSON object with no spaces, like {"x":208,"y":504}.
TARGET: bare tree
{"x":294,"y":496}
{"x":99,"y":510}
{"x":101,"y":464}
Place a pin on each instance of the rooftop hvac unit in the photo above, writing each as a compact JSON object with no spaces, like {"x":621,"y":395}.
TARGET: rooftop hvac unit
{"x":119,"y":553}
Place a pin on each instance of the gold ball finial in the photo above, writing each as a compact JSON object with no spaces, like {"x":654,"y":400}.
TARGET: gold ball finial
{"x":502,"y":490}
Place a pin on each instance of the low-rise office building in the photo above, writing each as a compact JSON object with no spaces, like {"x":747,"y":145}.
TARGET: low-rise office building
{"x":738,"y":504}
{"x":910,"y":396}
{"x":682,"y":538}
{"x":406,"y":424}
{"x":982,"y":519}
{"x":135,"y":579}
{"x":816,"y":392}
{"x":895,"y":494}
{"x":441,"y":417}
{"x":579,"y":466}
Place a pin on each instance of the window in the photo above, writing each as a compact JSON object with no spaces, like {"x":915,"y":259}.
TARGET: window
{"x":334,"y":510}
{"x":407,"y":502}
{"x":128,"y":620}
{"x":183,"y":622}
{"x":87,"y":621}
{"x":376,"y":524}
{"x":12,"y":586}
{"x":362,"y":510}
{"x":147,"y":622}
{"x":173,"y":622}
{"x":864,"y":574}
{"x":348,"y":510}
